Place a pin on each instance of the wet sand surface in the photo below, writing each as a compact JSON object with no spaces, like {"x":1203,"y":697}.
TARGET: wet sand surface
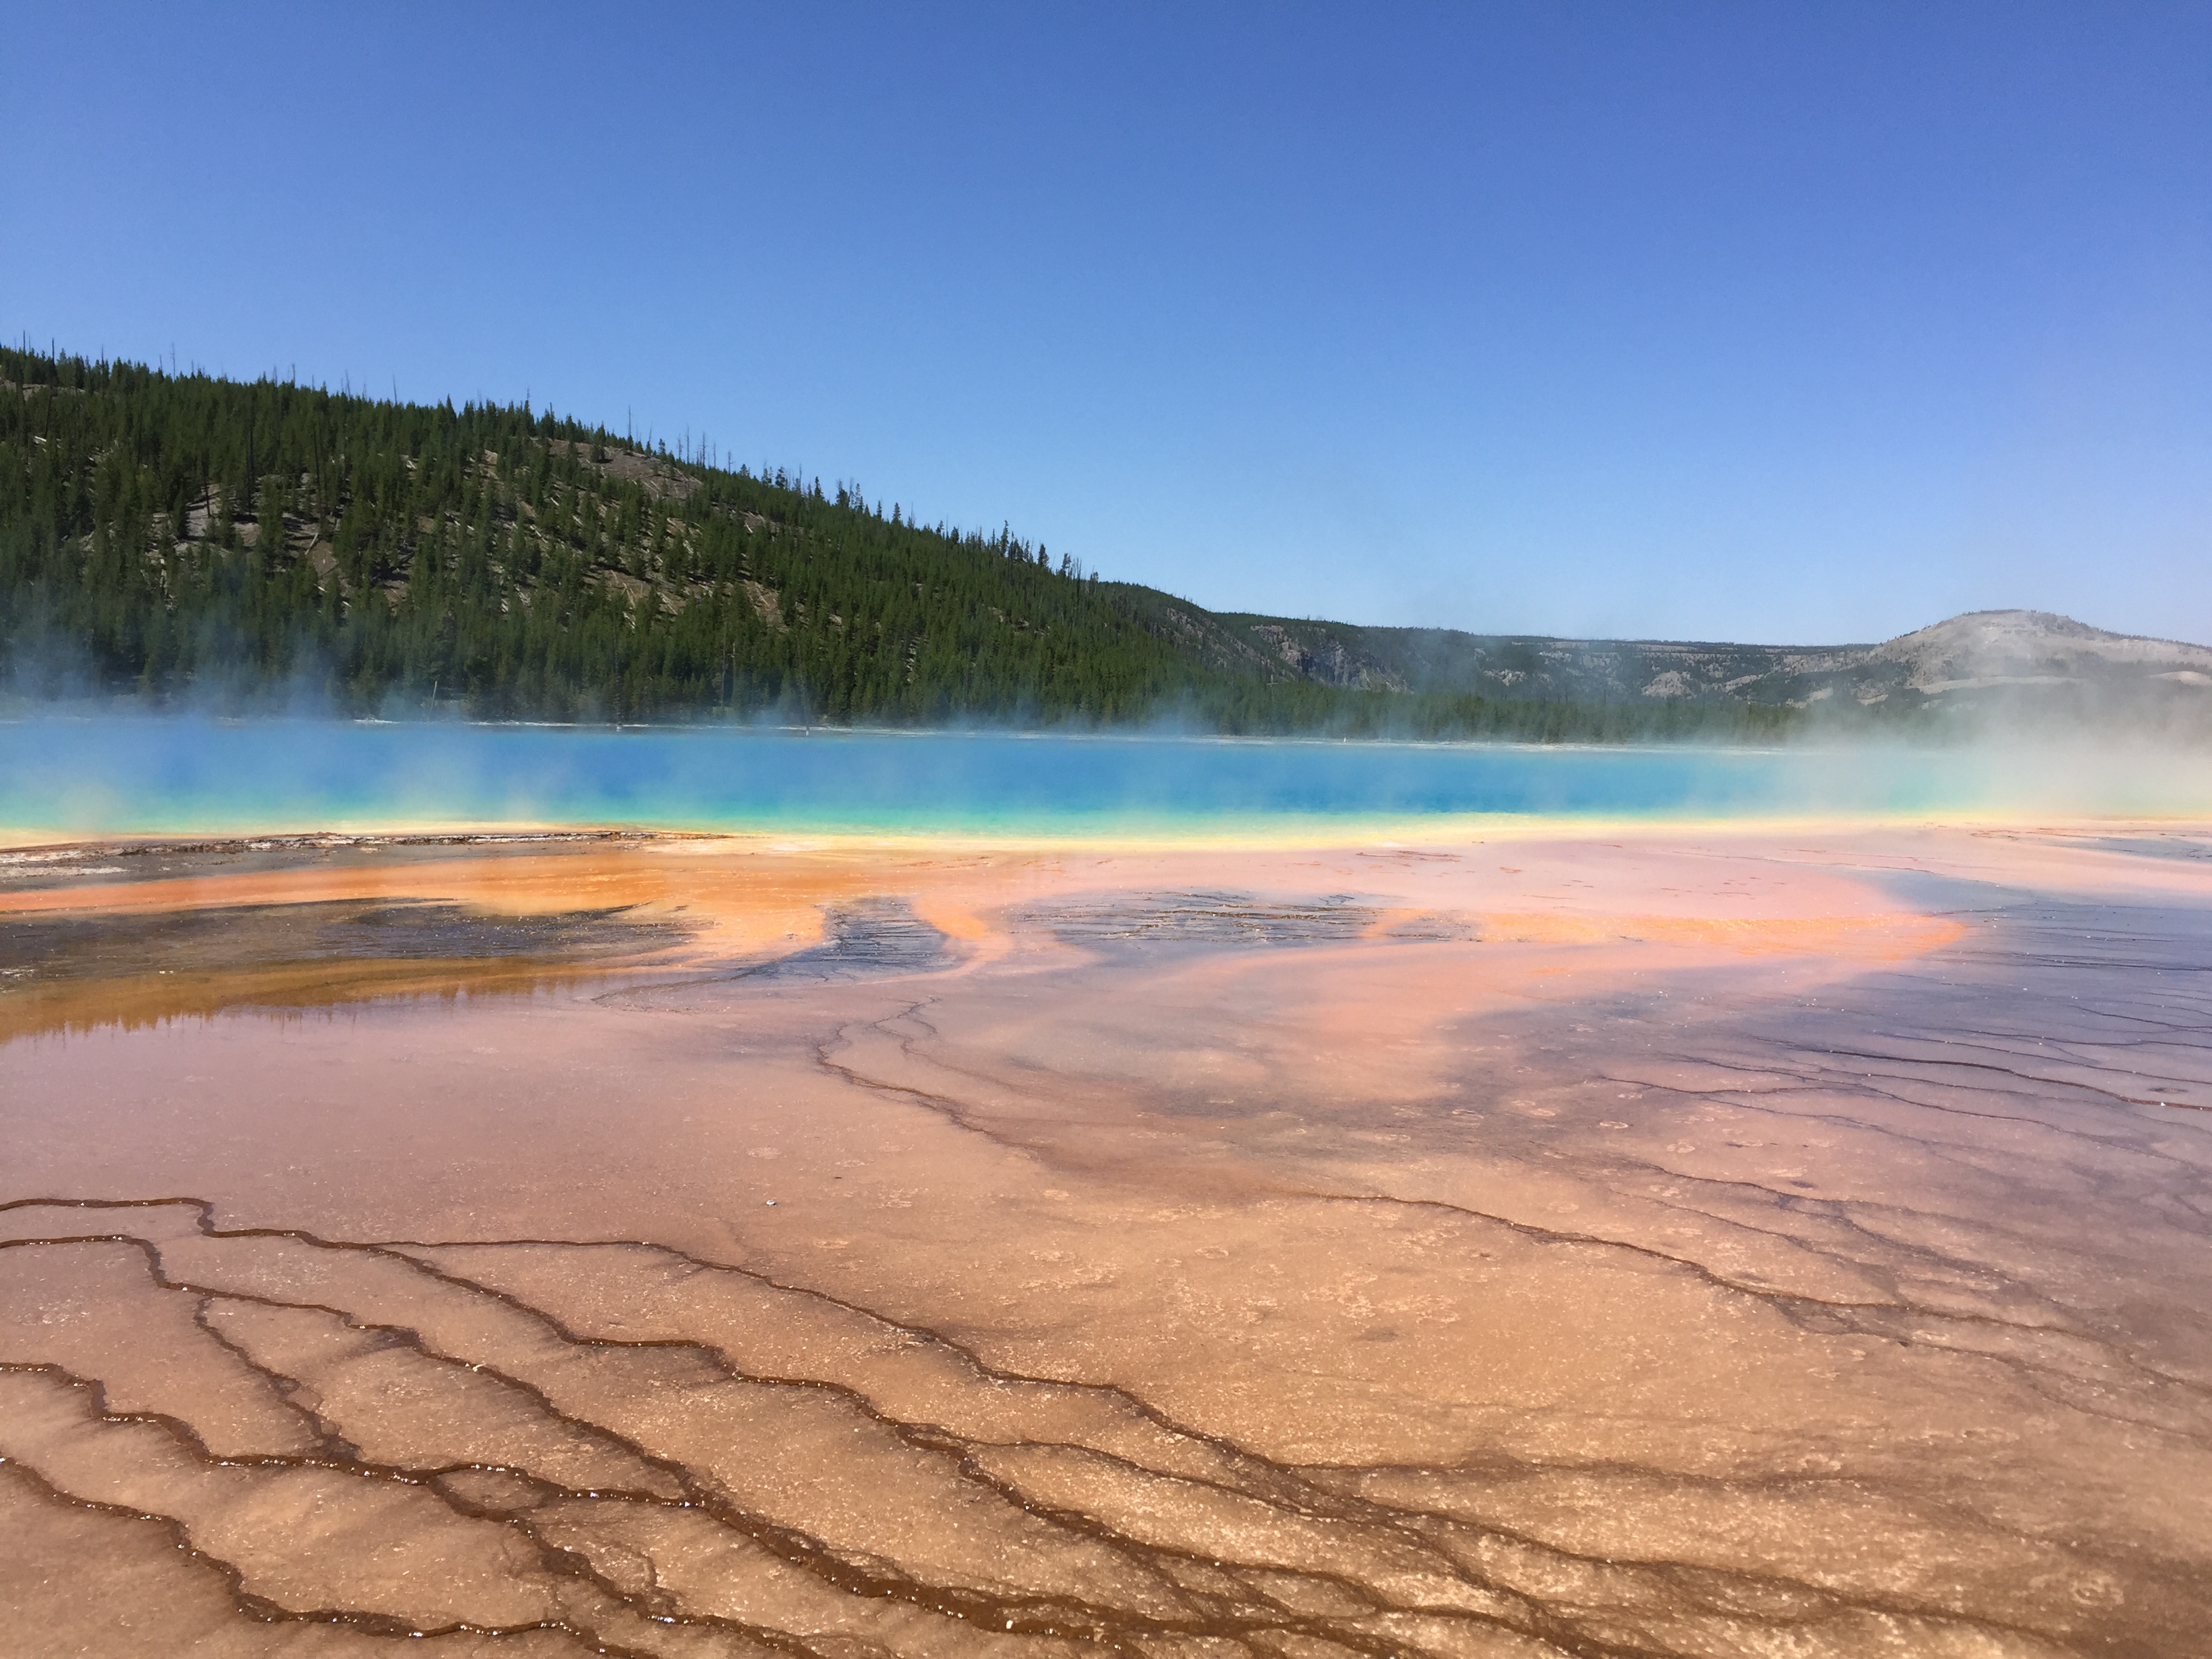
{"x":1788,"y":1242}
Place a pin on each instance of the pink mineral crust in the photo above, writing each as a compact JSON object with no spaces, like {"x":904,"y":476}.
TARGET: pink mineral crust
{"x":1788,"y":1241}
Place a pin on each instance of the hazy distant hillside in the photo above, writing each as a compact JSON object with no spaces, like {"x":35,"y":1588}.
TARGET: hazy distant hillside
{"x":2022,"y":657}
{"x":170,"y":537}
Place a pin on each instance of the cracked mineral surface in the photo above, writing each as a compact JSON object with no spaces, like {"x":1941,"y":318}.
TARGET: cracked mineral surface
{"x":1781,"y":1242}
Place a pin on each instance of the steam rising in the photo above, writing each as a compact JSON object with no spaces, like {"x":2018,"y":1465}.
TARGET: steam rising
{"x":63,"y":776}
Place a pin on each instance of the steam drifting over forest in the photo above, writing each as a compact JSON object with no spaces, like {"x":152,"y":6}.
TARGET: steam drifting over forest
{"x":171,"y":537}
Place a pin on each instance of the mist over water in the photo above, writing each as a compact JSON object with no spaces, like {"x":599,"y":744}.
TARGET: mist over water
{"x":1345,"y":1231}
{"x":120,"y":775}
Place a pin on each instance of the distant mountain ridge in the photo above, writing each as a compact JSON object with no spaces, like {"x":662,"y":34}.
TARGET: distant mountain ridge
{"x":1959,"y":660}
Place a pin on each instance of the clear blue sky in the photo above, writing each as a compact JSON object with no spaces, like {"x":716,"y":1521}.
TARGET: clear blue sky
{"x":1785,"y":322}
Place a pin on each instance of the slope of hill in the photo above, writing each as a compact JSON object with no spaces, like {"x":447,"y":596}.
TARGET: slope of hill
{"x":161,"y":532}
{"x":1993,"y":650}
{"x":169,"y":537}
{"x":2023,"y":657}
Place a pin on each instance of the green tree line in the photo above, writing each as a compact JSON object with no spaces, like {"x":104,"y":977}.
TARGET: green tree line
{"x":169,"y":536}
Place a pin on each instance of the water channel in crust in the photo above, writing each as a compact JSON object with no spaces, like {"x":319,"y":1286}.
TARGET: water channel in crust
{"x":1592,"y":1240}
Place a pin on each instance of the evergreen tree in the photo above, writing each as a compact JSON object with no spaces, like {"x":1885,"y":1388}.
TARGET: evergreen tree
{"x":520,"y":564}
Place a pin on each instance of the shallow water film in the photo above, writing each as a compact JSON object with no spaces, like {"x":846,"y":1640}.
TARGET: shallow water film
{"x":1783,"y":1242}
{"x":154,"y":775}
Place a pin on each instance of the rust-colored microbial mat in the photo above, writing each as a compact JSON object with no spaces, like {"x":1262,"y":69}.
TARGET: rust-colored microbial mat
{"x":1786,"y":1242}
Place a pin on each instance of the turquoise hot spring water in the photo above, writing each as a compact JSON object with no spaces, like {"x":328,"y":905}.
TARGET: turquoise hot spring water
{"x":62,"y":777}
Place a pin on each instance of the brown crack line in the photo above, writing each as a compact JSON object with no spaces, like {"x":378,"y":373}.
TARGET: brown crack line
{"x":1039,"y":1614}
{"x":1034,"y":1615}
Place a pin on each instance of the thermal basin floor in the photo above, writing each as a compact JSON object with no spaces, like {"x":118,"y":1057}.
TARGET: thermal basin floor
{"x":1775,"y":1241}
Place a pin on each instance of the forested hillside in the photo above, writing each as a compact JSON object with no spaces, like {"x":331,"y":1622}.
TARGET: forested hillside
{"x":181,"y":535}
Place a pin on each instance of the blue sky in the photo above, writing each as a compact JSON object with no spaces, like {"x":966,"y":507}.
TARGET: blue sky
{"x":1787,"y":323}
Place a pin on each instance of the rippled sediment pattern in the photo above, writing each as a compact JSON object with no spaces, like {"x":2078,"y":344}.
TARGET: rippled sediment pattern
{"x":1786,"y":1245}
